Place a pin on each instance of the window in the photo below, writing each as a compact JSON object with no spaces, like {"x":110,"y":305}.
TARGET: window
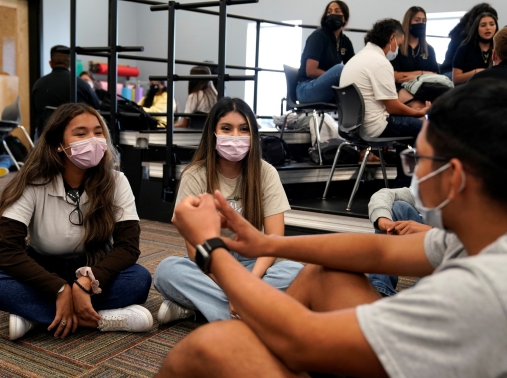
{"x":279,"y":45}
{"x":438,"y":27}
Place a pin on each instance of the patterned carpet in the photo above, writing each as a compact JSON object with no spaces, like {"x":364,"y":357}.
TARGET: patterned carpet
{"x":89,"y":353}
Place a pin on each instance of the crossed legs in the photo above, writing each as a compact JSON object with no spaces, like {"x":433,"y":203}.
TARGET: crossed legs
{"x":232,"y":349}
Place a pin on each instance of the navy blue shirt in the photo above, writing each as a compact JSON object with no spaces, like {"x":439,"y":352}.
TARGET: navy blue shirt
{"x":496,"y":72}
{"x":469,"y":57}
{"x":414,"y":61}
{"x":54,"y":90}
{"x":323,"y":47}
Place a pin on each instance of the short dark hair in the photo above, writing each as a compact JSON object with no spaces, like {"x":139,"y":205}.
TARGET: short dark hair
{"x":344,"y":8}
{"x":60,"y":58}
{"x":381,"y":32}
{"x":470,"y":123}
{"x":500,"y":44}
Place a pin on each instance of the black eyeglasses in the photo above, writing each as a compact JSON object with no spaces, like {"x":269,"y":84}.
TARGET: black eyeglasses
{"x":410,"y":158}
{"x":76,"y":215}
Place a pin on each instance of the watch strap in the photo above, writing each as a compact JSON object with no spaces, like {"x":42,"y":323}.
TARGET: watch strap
{"x":214,"y":243}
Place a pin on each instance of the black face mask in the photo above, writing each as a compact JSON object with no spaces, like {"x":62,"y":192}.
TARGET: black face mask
{"x":334,"y":22}
{"x":154,"y":88}
{"x":418,"y":30}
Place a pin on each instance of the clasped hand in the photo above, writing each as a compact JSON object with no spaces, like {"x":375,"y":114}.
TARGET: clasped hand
{"x":201,"y":218}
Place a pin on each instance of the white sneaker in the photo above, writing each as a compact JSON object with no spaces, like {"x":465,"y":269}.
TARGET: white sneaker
{"x":133,"y":318}
{"x":3,"y":171}
{"x":170,"y":311}
{"x":19,"y":326}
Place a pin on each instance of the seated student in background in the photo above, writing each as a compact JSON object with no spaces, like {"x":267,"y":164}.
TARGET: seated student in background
{"x":79,"y":267}
{"x":202,"y":95}
{"x":393,"y":212}
{"x":331,"y":320}
{"x":155,"y":101}
{"x":228,"y":159}
{"x":499,"y":57}
{"x":326,"y":51}
{"x":475,"y":54}
{"x":460,"y":32}
{"x":5,"y":163}
{"x":415,"y":57}
{"x":371,"y":71}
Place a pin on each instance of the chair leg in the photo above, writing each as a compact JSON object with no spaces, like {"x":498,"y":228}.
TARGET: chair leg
{"x":383,"y":166}
{"x":10,"y":154}
{"x":317,"y":134}
{"x":330,"y":178}
{"x":359,"y":176}
{"x":26,"y":135}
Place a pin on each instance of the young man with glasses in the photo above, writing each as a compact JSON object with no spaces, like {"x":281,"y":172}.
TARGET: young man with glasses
{"x":451,"y":324}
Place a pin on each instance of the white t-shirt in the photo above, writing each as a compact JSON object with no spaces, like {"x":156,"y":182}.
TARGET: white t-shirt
{"x":373,"y":74}
{"x":274,"y":199}
{"x":453,"y":323}
{"x":45,"y":211}
{"x":200,"y":101}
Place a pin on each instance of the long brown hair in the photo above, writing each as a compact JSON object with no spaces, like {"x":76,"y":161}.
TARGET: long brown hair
{"x":206,"y":156}
{"x":206,"y":86}
{"x":44,"y":163}
{"x":407,"y":21}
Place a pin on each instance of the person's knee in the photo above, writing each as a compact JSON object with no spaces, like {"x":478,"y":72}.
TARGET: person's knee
{"x":210,"y":344}
{"x":168,"y":269}
{"x":402,"y":210}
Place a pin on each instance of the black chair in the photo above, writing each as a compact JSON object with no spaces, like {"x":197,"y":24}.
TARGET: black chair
{"x":350,"y":121}
{"x":11,"y":117}
{"x":315,"y":108}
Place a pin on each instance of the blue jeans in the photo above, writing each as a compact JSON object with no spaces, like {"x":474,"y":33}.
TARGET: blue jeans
{"x":180,"y":280}
{"x":385,"y":284}
{"x":448,"y":74}
{"x":319,"y":89}
{"x":398,"y":126}
{"x":5,"y":161}
{"x":131,"y":286}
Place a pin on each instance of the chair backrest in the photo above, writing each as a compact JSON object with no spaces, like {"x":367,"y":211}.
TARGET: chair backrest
{"x":291,"y":75}
{"x":12,"y":112}
{"x":197,"y":123}
{"x":350,"y":111}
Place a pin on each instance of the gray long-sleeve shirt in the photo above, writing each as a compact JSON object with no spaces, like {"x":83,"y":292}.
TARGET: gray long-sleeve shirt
{"x":381,"y":203}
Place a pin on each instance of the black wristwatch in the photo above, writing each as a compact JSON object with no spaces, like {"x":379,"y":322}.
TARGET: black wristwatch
{"x":203,"y":253}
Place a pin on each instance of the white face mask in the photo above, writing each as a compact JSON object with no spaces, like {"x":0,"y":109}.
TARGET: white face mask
{"x":90,"y":84}
{"x":391,"y":55}
{"x":432,"y":216}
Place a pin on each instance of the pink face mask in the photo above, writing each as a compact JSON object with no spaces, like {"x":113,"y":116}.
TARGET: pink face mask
{"x":87,"y":153}
{"x":233,"y":148}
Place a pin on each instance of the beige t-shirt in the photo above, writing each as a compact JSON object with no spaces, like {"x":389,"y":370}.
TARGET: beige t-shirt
{"x":373,"y":74}
{"x":45,"y":211}
{"x":193,"y":183}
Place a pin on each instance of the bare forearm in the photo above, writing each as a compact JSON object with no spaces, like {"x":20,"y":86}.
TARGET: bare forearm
{"x":401,"y":255}
{"x":395,"y":107}
{"x":462,"y":77}
{"x":262,"y":265}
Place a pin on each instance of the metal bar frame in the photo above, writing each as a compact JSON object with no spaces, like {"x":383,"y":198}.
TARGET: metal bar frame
{"x":73,"y":68}
{"x":112,"y":72}
{"x":169,"y":173}
{"x":222,"y":41}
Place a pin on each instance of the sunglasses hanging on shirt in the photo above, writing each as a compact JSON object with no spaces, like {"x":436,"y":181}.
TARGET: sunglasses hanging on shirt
{"x":76,"y":215}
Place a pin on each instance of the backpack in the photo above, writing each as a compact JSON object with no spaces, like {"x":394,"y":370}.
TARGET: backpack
{"x":274,"y":149}
{"x":17,"y":148}
{"x":348,"y":155}
{"x":135,"y":122}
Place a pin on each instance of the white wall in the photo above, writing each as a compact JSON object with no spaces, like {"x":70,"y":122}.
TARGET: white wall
{"x":197,"y":34}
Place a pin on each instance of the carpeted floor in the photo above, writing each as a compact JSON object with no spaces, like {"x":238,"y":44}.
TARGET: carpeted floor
{"x":89,"y":353}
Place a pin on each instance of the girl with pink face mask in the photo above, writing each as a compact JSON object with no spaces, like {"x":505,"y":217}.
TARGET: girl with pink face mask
{"x":79,"y":268}
{"x":228,"y":159}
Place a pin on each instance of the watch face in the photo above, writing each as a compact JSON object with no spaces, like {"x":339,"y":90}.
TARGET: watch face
{"x":201,"y":258}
